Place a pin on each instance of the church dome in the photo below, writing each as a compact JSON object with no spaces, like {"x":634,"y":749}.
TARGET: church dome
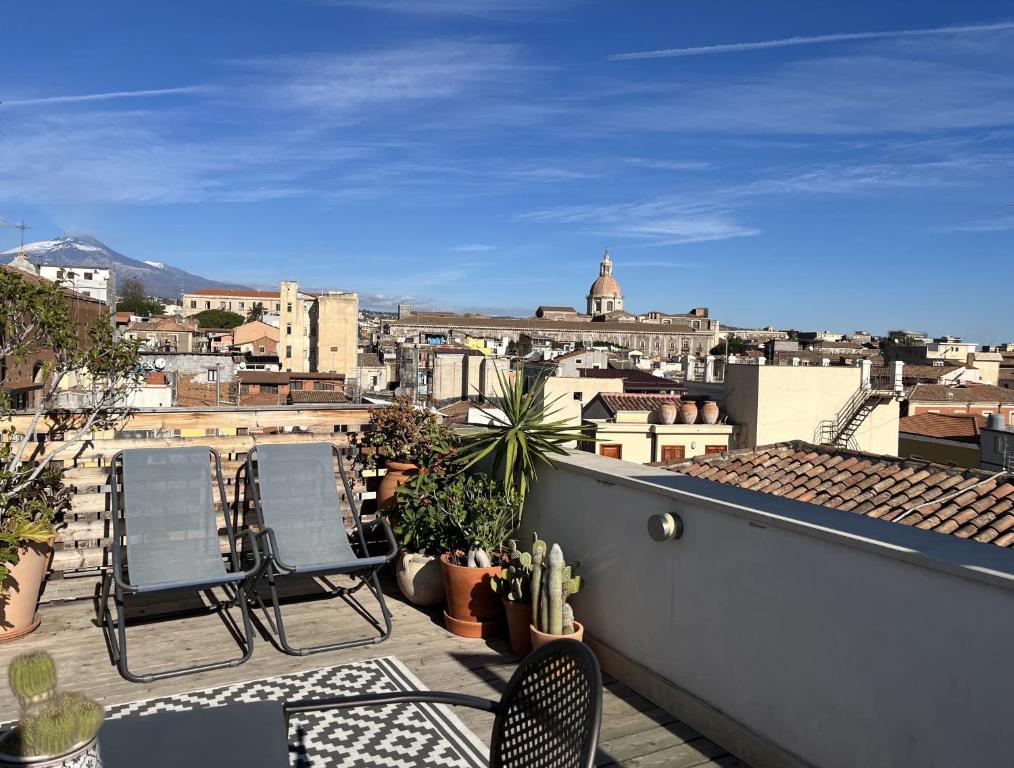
{"x":605,"y":294}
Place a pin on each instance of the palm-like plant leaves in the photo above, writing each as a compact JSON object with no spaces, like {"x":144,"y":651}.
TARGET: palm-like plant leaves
{"x":520,"y":438}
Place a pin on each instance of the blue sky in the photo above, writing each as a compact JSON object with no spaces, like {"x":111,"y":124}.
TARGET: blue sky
{"x":827,"y":164}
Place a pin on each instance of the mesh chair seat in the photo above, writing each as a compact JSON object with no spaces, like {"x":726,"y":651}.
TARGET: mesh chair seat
{"x":170,"y":527}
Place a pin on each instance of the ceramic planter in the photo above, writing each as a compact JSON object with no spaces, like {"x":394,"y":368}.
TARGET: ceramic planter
{"x":666,"y":413}
{"x":539,"y":639}
{"x":519,"y":621}
{"x":82,"y":756}
{"x":398,"y":473}
{"x":709,"y":412}
{"x":420,"y":579}
{"x":473,"y":608}
{"x":18,"y":609}
{"x":688,"y":412}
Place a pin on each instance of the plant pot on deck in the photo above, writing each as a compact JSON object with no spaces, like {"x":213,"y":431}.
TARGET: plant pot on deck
{"x":539,"y":639}
{"x":19,"y":607}
{"x":84,"y":755}
{"x":473,"y":608}
{"x":398,"y":473}
{"x":519,"y":619}
{"x":420,"y":579}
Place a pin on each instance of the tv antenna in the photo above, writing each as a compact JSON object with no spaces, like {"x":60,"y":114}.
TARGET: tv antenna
{"x":22,"y":226}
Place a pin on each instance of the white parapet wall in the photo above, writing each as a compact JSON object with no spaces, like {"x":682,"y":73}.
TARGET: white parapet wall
{"x":790,"y":633}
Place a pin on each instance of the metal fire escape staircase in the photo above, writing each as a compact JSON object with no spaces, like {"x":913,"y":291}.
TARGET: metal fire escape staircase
{"x":841,"y":430}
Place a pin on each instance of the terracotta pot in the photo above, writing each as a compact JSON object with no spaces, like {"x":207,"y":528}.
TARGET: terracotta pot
{"x":709,"y":412}
{"x":519,"y":620}
{"x":420,"y":579}
{"x":82,"y":756}
{"x":666,"y":413}
{"x":688,"y":412}
{"x":539,"y":639}
{"x":398,"y":473}
{"x":18,"y":615}
{"x":473,"y":608}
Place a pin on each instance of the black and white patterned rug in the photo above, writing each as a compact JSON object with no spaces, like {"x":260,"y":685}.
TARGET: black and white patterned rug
{"x":391,"y":736}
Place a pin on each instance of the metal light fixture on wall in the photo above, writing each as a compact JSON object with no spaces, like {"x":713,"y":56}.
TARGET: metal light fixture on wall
{"x":665,"y":527}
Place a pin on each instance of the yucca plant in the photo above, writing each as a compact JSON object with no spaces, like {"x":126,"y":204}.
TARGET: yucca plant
{"x":520,"y":438}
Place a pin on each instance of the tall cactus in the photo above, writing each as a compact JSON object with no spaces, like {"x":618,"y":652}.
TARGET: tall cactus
{"x":554,"y":588}
{"x":538,"y":555}
{"x":51,"y":723}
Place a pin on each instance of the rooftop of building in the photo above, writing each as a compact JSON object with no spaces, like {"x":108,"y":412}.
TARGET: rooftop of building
{"x":622,"y":401}
{"x":961,"y":393}
{"x":284,"y":377}
{"x":242,"y":293}
{"x":961,"y":427}
{"x":167,"y":324}
{"x":632,"y":377}
{"x":368,"y":360}
{"x":966,"y":503}
{"x":298,"y":397}
{"x":443,"y":319}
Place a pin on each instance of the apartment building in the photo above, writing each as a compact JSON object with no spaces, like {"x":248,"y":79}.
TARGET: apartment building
{"x":240,"y":300}
{"x":318,"y":332}
{"x":97,"y":282}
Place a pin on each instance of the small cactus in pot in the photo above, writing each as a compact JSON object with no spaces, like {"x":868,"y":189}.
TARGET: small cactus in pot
{"x":514,"y":585}
{"x":57,"y":729}
{"x":557,"y":581}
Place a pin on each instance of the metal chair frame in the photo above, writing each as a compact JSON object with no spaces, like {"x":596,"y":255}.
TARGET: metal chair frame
{"x":274,"y":567}
{"x":584,"y":757}
{"x":113,"y":581}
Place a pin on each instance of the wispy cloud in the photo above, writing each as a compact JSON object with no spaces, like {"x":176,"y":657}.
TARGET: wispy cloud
{"x":107,"y":96}
{"x":664,"y":221}
{"x":999,"y":225}
{"x":786,"y":42}
{"x":669,"y":165}
{"x":657,"y":265}
{"x":472,"y":248}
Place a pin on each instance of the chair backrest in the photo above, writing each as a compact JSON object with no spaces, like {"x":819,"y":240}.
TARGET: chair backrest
{"x":168,"y":509}
{"x":299,"y":502}
{"x":550,"y":714}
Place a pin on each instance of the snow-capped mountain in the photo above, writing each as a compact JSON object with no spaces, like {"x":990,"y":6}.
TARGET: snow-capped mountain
{"x":159,"y":279}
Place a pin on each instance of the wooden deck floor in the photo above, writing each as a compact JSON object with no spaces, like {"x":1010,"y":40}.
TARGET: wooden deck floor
{"x":634,"y":732}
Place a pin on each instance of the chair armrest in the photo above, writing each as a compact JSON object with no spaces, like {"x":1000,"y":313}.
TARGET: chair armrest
{"x":268,"y":535}
{"x":255,"y":547}
{"x":120,"y":581}
{"x":376,"y":699}
{"x":388,"y":533}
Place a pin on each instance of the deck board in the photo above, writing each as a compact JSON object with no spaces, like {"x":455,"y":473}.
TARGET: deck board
{"x":635,"y":732}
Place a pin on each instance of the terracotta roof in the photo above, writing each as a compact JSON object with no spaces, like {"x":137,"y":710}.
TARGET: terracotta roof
{"x":241,"y":293}
{"x":633,"y":378}
{"x":918,"y":374}
{"x":964,"y":393}
{"x":949,"y":426}
{"x":318,"y":396}
{"x":368,"y":360}
{"x":636,"y":402}
{"x":457,"y":412}
{"x":168,"y":324}
{"x":548,"y":308}
{"x":442,"y":321}
{"x":882,"y":487}
{"x":156,"y":379}
{"x":605,"y":285}
{"x":284,"y":377}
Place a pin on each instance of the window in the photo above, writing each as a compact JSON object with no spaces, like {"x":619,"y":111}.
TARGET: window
{"x":306,"y":331}
{"x":242,"y":304}
{"x":334,"y":349}
{"x":611,"y":450}
{"x":269,"y":389}
{"x":59,"y":274}
{"x":278,"y":307}
{"x":288,"y":329}
{"x":673,"y":452}
{"x":340,"y":428}
{"x":579,"y":361}
{"x":609,"y":306}
{"x":221,"y":305}
{"x":710,"y":449}
{"x":288,"y":352}
{"x":193,"y":304}
{"x":579,"y":396}
{"x":696,"y":324}
{"x":598,"y":305}
{"x":244,"y":389}
{"x":212,"y":374}
{"x":296,"y":385}
{"x":261,"y":349}
{"x":207,"y":305}
{"x":87,"y":275}
{"x":374,"y":380}
{"x":288,"y":307}
{"x":323,"y":386}
{"x":686,"y":346}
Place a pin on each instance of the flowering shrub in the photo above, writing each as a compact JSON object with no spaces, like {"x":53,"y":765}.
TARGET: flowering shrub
{"x":403,"y":433}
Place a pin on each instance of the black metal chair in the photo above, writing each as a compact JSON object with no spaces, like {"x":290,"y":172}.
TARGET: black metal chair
{"x":548,"y":717}
{"x":164,"y":519}
{"x":299,"y":516}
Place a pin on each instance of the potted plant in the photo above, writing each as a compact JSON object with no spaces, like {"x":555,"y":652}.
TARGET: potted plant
{"x":44,"y":344}
{"x":521,"y":436}
{"x":481,"y":516}
{"x":514,"y":585}
{"x":424,"y":531}
{"x":402,"y":439}
{"x":55,"y":730}
{"x":553,"y":581}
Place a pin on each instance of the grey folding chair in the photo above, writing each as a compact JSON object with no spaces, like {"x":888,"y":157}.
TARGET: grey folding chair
{"x":164,"y":522}
{"x":301,"y":528}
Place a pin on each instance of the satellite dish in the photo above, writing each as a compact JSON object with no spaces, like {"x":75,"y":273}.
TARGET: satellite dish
{"x":159,"y":363}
